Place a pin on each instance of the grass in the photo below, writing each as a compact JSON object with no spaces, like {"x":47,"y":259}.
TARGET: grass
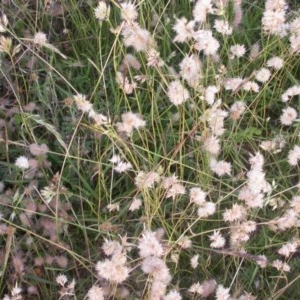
{"x":57,"y":213}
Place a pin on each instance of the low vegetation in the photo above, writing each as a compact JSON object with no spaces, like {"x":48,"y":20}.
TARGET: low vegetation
{"x":149,"y":149}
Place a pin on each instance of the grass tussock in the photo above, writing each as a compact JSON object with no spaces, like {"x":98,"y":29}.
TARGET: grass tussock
{"x":149,"y":149}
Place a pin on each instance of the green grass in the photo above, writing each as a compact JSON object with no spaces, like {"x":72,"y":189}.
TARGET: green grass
{"x":61,"y":208}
